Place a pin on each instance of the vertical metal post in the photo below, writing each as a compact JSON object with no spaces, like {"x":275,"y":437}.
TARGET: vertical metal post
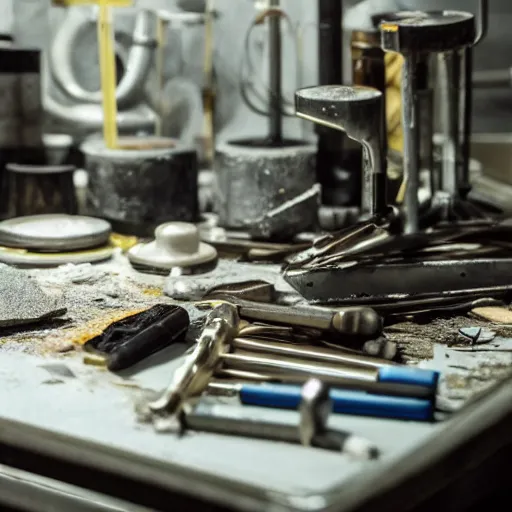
{"x":275,"y":87}
{"x":450,"y":80}
{"x":411,"y":121}
{"x":337,"y":187}
{"x":464,"y":184}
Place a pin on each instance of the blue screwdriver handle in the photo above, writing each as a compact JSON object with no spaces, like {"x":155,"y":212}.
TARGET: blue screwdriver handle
{"x":411,"y":376}
{"x":284,"y":396}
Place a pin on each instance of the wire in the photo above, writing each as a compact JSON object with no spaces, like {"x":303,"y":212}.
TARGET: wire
{"x":248,"y":69}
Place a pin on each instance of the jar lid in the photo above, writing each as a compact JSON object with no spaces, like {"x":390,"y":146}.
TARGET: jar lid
{"x":54,"y":232}
{"x":176,"y":245}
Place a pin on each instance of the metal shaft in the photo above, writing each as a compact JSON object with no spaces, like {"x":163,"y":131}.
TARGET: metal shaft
{"x":308,"y":353}
{"x":483,"y":25}
{"x":373,"y":198}
{"x":230,"y":420}
{"x":411,"y":124}
{"x":450,"y":83}
{"x":296,"y":370}
{"x":275,"y":73}
{"x":330,"y":71}
{"x":465,"y":146}
{"x":425,"y":99}
{"x":356,"y":321}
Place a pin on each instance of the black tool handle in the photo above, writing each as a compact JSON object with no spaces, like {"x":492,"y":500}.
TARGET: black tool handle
{"x":154,"y":338}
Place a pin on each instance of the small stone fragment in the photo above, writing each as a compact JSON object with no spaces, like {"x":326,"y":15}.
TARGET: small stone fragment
{"x":22,"y":301}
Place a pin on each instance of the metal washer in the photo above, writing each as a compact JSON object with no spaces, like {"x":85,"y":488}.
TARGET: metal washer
{"x":54,"y":232}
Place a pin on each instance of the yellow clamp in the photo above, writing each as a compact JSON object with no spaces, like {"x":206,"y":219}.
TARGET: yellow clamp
{"x":107,"y":62}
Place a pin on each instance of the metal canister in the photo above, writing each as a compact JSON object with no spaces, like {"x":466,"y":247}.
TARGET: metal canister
{"x":40,"y":189}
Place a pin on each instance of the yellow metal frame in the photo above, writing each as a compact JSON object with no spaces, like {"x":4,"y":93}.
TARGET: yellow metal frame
{"x":106,"y":61}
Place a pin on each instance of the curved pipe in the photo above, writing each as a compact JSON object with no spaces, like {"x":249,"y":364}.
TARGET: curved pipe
{"x":89,"y":116}
{"x":483,"y":20}
{"x":177,"y":91}
{"x":138,"y":64}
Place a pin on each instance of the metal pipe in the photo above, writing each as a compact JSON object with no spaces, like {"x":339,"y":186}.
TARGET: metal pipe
{"x":483,"y":20}
{"x":492,"y":79}
{"x":308,"y":353}
{"x":411,"y":124}
{"x":330,"y":71}
{"x":296,"y":370}
{"x":137,"y":66}
{"x":89,"y":117}
{"x":464,"y":185}
{"x":275,"y":86}
{"x":465,"y":146}
{"x":450,"y":80}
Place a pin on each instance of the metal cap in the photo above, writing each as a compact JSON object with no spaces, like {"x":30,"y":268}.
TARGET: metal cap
{"x":432,"y":32}
{"x":356,"y":110}
{"x":176,"y":245}
{"x":54,"y":232}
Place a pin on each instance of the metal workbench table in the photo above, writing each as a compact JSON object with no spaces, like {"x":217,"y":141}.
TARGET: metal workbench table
{"x":64,"y":434}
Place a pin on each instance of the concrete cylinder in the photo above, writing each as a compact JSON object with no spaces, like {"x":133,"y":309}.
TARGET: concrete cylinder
{"x":138,"y":189}
{"x":253,"y":179}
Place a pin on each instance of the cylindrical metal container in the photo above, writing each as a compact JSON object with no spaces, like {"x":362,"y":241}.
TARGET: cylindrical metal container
{"x":136,"y":189}
{"x":40,"y":189}
{"x":20,"y":111}
{"x":258,"y":185}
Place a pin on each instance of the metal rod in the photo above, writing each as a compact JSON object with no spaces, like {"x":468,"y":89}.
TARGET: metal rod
{"x":411,"y":124}
{"x":330,"y":71}
{"x":483,"y":26}
{"x":374,"y":193}
{"x":465,"y":184}
{"x":288,"y":369}
{"x":483,"y":20}
{"x":308,"y":353}
{"x":450,"y":75}
{"x":275,"y":86}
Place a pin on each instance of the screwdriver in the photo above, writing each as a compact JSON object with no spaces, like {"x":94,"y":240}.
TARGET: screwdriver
{"x":392,"y":380}
{"x":285,"y":396}
{"x":310,"y":428}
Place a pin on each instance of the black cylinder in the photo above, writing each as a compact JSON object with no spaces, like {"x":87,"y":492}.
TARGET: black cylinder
{"x":138,"y":189}
{"x":20,"y":112}
{"x":331,"y":172}
{"x":40,"y":189}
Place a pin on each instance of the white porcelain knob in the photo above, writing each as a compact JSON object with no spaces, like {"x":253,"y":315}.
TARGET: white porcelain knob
{"x":176,"y":245}
{"x":177,"y":238}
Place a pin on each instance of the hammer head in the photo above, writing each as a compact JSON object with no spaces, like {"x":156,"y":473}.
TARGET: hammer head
{"x":356,"y":110}
{"x":427,"y":32}
{"x":315,"y":407}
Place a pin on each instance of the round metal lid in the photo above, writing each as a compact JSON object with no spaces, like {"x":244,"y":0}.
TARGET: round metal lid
{"x":24,"y":258}
{"x":54,"y":232}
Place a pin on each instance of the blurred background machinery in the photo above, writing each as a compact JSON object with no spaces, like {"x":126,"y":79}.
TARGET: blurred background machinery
{"x":198,"y":71}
